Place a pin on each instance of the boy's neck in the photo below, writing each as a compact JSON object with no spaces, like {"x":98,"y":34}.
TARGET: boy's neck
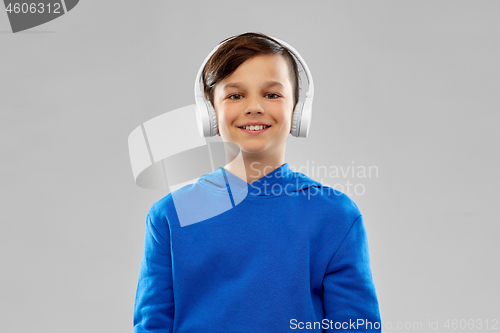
{"x":251,"y":169}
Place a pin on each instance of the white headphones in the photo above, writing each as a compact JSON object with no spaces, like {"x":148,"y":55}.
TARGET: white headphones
{"x":205,"y":113}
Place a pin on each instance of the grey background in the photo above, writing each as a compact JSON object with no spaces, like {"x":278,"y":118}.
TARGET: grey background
{"x":408,"y":86}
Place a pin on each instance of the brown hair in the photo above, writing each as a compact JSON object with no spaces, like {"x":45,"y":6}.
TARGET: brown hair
{"x":236,"y":50}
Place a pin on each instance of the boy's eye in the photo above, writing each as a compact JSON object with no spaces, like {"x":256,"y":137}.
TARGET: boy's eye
{"x":273,"y":96}
{"x":235,"y":96}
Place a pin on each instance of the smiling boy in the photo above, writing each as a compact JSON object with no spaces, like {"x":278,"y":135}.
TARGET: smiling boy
{"x":286,"y":251}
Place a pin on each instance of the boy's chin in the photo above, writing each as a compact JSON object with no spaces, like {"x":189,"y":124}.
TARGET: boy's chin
{"x":253,"y":150}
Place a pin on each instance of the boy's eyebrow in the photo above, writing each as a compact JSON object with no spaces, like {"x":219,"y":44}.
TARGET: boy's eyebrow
{"x":239,"y":84}
{"x":273,"y":83}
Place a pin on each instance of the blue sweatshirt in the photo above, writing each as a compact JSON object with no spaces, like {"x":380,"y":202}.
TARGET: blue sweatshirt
{"x":282,"y":254}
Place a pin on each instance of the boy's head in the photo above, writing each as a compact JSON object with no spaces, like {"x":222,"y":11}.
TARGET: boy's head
{"x":236,"y":50}
{"x":251,"y":80}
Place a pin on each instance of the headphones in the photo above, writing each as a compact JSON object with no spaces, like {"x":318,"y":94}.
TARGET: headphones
{"x":205,"y":113}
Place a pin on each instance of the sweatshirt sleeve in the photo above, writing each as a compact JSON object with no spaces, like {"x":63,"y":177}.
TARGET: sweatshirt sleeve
{"x":154,"y":302}
{"x":349,"y":296}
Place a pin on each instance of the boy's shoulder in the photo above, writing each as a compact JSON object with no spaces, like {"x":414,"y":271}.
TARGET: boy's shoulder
{"x":331,"y":199}
{"x":186,"y":202}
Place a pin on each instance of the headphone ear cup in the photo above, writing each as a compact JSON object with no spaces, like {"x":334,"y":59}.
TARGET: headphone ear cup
{"x":206,"y":118}
{"x":212,"y":118}
{"x":297,"y":115}
{"x":305,"y":122}
{"x":202,"y":117}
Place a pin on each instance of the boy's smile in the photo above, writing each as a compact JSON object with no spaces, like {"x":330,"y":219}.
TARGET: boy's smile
{"x":254,"y":106}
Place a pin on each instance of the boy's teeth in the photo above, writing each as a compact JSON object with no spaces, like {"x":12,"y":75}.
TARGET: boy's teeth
{"x":254,"y":128}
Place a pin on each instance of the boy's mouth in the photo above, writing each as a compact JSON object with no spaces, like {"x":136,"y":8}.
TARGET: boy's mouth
{"x":254,"y":129}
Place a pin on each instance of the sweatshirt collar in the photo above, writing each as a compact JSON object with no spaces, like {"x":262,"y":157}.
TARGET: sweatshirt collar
{"x":280,"y":181}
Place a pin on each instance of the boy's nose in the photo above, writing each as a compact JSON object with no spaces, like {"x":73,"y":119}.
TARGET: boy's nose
{"x":254,"y":105}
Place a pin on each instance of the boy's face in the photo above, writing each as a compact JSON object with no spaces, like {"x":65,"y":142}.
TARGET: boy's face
{"x":258,"y":91}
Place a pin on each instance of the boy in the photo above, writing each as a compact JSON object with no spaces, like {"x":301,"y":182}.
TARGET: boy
{"x":285,"y":252}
